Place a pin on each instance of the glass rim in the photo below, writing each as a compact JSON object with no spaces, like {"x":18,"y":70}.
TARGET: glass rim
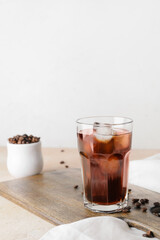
{"x":128,"y":120}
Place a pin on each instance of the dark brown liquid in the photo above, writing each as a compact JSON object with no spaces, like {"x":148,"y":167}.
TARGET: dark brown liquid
{"x":105,"y":165}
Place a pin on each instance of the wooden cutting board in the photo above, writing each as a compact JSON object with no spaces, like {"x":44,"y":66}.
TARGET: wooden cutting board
{"x":52,"y":197}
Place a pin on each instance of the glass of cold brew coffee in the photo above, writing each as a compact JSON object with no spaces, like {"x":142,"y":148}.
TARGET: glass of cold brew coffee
{"x":104,"y":145}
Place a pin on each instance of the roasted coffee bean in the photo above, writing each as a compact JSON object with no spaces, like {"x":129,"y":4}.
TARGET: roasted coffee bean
{"x":62,"y":150}
{"x":76,"y":186}
{"x":134,"y":200}
{"x":62,"y":162}
{"x":17,"y":137}
{"x":142,"y":201}
{"x":66,"y":166}
{"x":146,"y":200}
{"x":156,"y":204}
{"x":156,"y":209}
{"x":148,"y":234}
{"x":25,"y":135}
{"x":126,"y":209}
{"x":137,"y":205}
{"x":144,"y":209}
{"x":129,"y":190}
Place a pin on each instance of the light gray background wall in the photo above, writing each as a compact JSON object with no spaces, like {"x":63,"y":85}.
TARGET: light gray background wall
{"x":60,"y":60}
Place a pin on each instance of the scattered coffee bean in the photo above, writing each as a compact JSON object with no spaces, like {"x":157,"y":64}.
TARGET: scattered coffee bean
{"x":137,"y":205}
{"x":129,"y":190}
{"x":142,"y":201}
{"x":156,"y":204}
{"x":134,"y":200}
{"x":126,"y":209}
{"x":156,"y":211}
{"x":149,"y":234}
{"x":66,"y":166}
{"x":144,"y":209}
{"x":62,"y":150}
{"x":76,"y":186}
{"x":24,"y":139}
{"x":146,"y":200}
{"x":62,"y":162}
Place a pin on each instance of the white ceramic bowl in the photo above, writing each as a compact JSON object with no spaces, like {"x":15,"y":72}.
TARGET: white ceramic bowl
{"x":24,"y":159}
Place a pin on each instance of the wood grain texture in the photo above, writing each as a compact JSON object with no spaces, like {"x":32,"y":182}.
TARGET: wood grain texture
{"x":52,"y":197}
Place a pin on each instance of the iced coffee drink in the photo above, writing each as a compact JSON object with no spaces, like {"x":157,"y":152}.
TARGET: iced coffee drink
{"x":104,"y":149}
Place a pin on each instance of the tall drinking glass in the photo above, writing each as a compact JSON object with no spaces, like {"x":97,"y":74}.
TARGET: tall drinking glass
{"x":104,"y":145}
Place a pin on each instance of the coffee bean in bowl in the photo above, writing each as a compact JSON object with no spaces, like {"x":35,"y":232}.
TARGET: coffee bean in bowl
{"x":24,"y":155}
{"x":23,"y":139}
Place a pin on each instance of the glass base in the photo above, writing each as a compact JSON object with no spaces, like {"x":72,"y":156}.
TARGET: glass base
{"x":105,"y":208}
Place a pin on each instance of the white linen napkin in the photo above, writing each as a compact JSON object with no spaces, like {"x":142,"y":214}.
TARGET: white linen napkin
{"x":95,"y":228}
{"x":144,"y":173}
